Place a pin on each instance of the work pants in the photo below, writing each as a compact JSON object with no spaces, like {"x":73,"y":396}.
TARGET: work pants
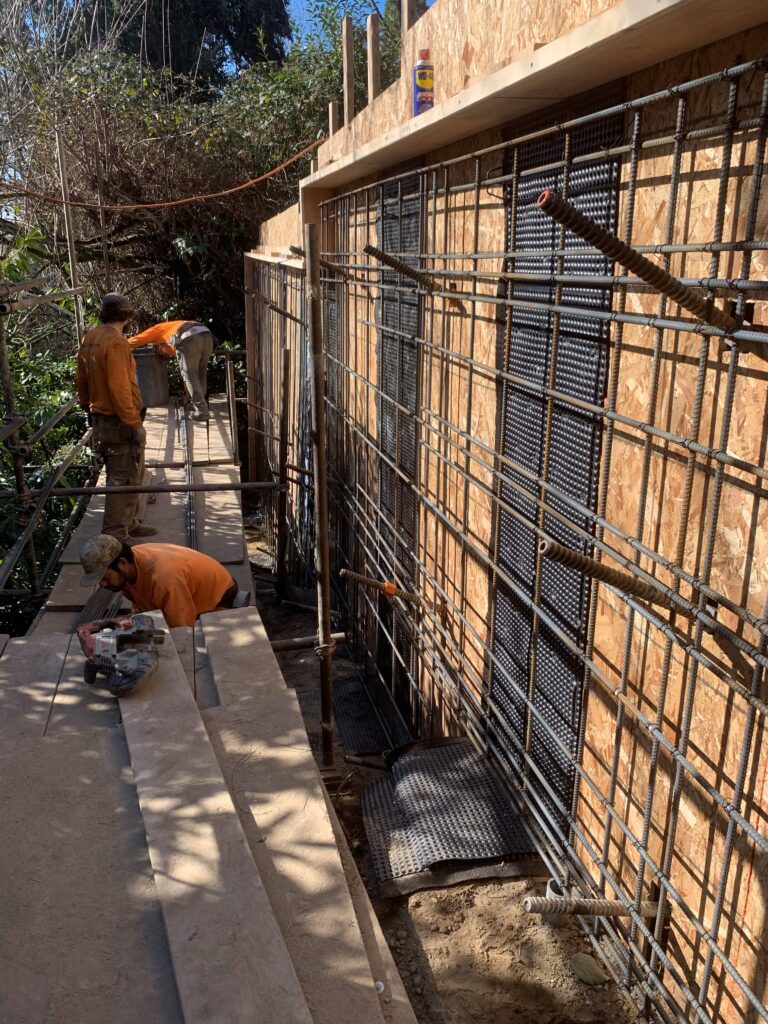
{"x":193,"y":354}
{"x":124,"y":464}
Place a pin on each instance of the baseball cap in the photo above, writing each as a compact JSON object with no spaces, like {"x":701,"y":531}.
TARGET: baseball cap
{"x":96,"y":556}
{"x":115,"y":304}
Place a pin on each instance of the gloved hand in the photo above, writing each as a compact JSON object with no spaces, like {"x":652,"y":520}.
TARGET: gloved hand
{"x":138,"y":436}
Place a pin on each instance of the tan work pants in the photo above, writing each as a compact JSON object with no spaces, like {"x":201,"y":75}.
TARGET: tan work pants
{"x":124,"y":463}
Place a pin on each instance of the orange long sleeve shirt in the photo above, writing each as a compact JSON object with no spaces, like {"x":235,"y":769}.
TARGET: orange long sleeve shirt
{"x":160,"y":335}
{"x":106,"y":376}
{"x":181,"y":582}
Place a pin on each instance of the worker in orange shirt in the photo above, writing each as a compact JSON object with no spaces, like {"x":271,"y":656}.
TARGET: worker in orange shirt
{"x":181,"y":582}
{"x":109,"y":394}
{"x":192,"y":344}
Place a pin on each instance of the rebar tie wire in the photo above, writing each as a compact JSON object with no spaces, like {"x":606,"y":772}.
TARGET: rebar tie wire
{"x":565,"y":213}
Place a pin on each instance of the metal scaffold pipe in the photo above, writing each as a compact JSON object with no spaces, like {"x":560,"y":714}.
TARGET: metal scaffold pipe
{"x":8,"y":288}
{"x":584,"y":907}
{"x":320,"y":464}
{"x":565,"y":213}
{"x":597,"y":571}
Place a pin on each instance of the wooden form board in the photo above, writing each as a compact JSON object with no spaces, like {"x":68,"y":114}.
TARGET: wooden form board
{"x":229,"y":958}
{"x":259,"y":736}
{"x":218,"y":515}
{"x":82,"y":937}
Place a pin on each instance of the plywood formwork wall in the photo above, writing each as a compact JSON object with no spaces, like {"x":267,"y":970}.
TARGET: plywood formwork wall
{"x":466,"y":40}
{"x":672,"y":745}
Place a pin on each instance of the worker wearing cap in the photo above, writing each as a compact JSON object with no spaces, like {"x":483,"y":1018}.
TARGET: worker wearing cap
{"x":192,"y":344}
{"x":109,"y":393}
{"x":178,"y":581}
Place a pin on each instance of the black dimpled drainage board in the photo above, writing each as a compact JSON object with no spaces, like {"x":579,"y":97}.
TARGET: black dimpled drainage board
{"x":358,"y":727}
{"x":441,"y":815}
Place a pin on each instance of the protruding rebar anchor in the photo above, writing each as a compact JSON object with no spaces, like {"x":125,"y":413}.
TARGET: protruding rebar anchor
{"x":565,"y":213}
{"x":419,"y":276}
{"x":596,"y":570}
{"x":325,"y":264}
{"x":383,"y":587}
{"x":585,"y":908}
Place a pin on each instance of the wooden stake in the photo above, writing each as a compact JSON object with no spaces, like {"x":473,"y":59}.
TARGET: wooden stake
{"x":348,"y":58}
{"x":374,"y":57}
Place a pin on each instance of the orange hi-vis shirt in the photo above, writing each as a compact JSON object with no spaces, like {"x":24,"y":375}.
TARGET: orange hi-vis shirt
{"x":161,"y":335}
{"x":181,"y":582}
{"x":106,"y":376}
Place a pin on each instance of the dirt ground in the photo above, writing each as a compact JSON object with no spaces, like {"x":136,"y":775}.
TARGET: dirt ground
{"x":468,"y":954}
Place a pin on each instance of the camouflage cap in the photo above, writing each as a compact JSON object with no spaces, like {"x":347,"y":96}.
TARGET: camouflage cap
{"x":96,"y":556}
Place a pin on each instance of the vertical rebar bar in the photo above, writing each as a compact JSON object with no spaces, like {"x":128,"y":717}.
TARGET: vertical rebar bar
{"x":282,"y":469}
{"x":320,"y":466}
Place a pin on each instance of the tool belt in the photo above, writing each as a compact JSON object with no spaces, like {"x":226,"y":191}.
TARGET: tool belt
{"x":110,"y":430}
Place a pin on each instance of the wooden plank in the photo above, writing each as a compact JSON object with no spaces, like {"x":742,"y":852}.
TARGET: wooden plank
{"x":164,"y":444}
{"x":213,"y":441}
{"x":67,"y":594}
{"x":30,"y":669}
{"x":219,"y":516}
{"x":53,"y":622}
{"x":82,"y":936}
{"x":4,"y":638}
{"x":348,"y":68}
{"x":374,"y":56}
{"x":395,"y":1005}
{"x":261,"y":742}
{"x":79,"y":708}
{"x":229,"y":958}
{"x":88,"y":527}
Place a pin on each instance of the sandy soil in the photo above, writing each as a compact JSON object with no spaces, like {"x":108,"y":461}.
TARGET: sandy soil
{"x":468,"y":954}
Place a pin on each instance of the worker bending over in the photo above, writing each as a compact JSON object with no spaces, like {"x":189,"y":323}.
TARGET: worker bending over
{"x":181,"y":582}
{"x":192,"y":344}
{"x":109,"y":394}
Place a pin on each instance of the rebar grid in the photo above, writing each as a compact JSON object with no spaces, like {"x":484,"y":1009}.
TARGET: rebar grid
{"x":644,"y":785}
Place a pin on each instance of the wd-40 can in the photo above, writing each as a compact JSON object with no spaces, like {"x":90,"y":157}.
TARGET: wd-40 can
{"x":423,"y":84}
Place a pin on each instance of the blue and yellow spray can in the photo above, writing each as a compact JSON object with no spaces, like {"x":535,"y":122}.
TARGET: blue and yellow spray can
{"x":423,"y":84}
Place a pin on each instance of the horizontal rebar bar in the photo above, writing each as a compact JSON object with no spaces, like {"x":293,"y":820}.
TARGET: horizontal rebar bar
{"x":585,"y":907}
{"x":599,"y":571}
{"x":574,"y":220}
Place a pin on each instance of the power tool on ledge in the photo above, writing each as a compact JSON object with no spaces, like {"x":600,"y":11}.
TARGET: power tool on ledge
{"x":124,"y":650}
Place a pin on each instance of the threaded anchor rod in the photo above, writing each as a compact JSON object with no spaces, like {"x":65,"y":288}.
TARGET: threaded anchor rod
{"x":297,"y":250}
{"x":425,"y":280}
{"x":565,"y":213}
{"x":586,"y":908}
{"x":622,"y":580}
{"x":383,"y":586}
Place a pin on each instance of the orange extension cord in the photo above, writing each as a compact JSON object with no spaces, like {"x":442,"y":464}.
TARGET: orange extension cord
{"x":18,"y":190}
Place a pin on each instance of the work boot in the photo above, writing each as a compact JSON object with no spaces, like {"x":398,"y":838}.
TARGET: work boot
{"x":142,"y":531}
{"x":201,"y":417}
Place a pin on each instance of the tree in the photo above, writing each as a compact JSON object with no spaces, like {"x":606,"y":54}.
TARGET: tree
{"x":207,"y":39}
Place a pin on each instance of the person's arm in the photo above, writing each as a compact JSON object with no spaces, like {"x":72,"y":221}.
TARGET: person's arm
{"x":120,"y":375}
{"x":81,"y":382}
{"x":154,"y":335}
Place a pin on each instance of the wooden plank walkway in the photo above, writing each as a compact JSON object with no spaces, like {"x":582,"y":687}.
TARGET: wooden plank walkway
{"x":173,"y":894}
